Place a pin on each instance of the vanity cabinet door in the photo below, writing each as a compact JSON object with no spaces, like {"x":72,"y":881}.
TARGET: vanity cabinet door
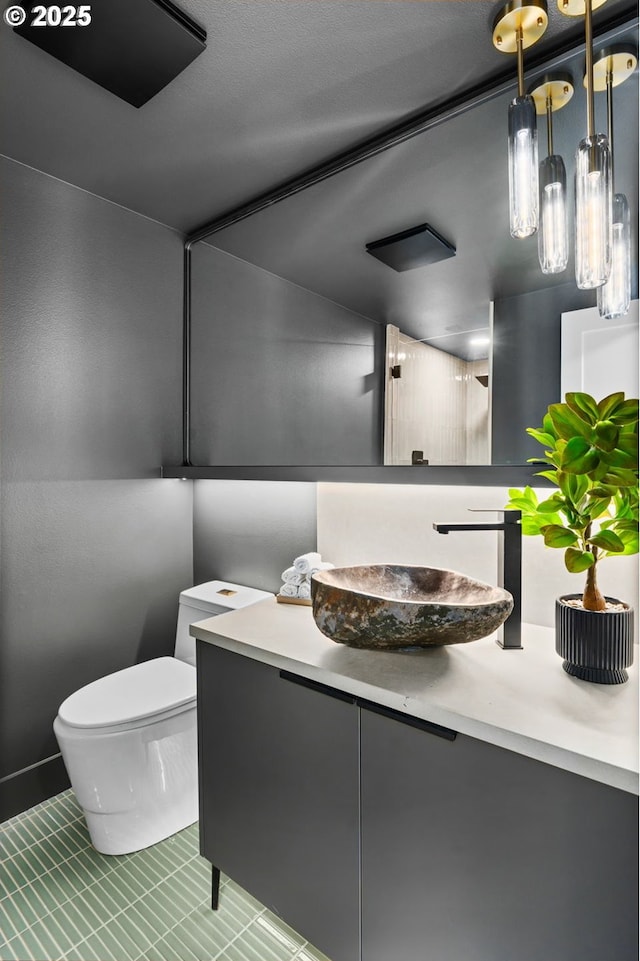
{"x":279,"y":794}
{"x":474,"y":853}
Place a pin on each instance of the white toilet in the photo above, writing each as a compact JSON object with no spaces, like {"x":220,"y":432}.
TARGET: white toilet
{"x":128,"y":740}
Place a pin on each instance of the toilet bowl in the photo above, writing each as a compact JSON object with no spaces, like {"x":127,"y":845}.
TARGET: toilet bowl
{"x":128,"y":740}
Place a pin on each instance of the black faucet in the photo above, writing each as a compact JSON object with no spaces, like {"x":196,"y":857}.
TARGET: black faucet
{"x":509,"y":570}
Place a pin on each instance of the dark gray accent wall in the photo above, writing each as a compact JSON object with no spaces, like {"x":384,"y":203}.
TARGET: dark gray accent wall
{"x":95,"y":547}
{"x":280,"y":375}
{"x":526,"y":366}
{"x":92,"y":331}
{"x":249,"y":532}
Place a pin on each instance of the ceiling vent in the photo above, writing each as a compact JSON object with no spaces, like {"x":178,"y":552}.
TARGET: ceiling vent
{"x":415,"y":247}
{"x":132,"y":48}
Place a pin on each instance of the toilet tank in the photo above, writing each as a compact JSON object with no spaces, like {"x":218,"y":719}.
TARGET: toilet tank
{"x":206,"y":600}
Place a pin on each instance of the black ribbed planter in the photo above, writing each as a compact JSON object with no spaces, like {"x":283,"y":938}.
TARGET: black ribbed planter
{"x":596,"y":645}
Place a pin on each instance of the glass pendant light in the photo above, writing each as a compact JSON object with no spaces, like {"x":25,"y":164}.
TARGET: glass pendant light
{"x":593,"y":176}
{"x":593,"y":212}
{"x":519,"y":25}
{"x":523,"y":168}
{"x":612,"y":67}
{"x":549,"y":94}
{"x":614,"y":297}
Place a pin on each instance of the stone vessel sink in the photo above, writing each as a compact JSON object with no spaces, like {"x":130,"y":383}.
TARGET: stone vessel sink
{"x":391,"y":607}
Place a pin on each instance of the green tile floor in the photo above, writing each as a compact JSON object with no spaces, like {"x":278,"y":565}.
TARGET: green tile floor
{"x":62,"y":901}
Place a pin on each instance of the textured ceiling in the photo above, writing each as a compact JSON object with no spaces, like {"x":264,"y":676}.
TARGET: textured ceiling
{"x":282,"y":86}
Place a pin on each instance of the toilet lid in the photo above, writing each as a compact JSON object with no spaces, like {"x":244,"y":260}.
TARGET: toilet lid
{"x":151,"y":688}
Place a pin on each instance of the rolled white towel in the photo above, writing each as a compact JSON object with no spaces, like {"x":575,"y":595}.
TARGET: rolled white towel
{"x":304,"y":591}
{"x":289,"y":590}
{"x":305,"y":562}
{"x":292,"y":576}
{"x":322,"y":566}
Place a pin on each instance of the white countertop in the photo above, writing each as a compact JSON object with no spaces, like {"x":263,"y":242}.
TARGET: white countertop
{"x":520,"y":700}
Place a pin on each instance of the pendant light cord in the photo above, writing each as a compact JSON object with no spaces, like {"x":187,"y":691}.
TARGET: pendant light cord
{"x":610,"y":124}
{"x":549,"y":125}
{"x":520,"y":52}
{"x":588,"y":35}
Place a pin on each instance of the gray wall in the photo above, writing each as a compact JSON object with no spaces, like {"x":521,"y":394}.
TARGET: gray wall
{"x":250,"y":531}
{"x":94,"y":548}
{"x":526,"y":366}
{"x":280,"y":375}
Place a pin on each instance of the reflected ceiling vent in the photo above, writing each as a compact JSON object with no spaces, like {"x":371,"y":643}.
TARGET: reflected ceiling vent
{"x":415,"y":247}
{"x":132,"y":48}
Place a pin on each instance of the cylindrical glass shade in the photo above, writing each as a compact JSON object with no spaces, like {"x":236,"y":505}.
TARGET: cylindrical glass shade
{"x":523,"y":167}
{"x":614,"y":297}
{"x":553,"y":247}
{"x":593,"y":212}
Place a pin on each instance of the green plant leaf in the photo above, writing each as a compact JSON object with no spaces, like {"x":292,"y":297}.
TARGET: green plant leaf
{"x":583,"y":404}
{"x":620,"y":458}
{"x":522,"y":500}
{"x":631,"y":543}
{"x":598,"y":472}
{"x":606,"y":435}
{"x":567,"y":424}
{"x":608,"y":404}
{"x":533,"y":523}
{"x":573,"y":486}
{"x":620,"y":478}
{"x":528,"y":494}
{"x":557,"y":536}
{"x":625,"y":413}
{"x":530,"y":526}
{"x":519,"y":504}
{"x":547,"y":426}
{"x":545,"y":439}
{"x":579,"y":457}
{"x":607,"y":540}
{"x":624,"y":525}
{"x":628,"y":442}
{"x":597,"y":506}
{"x":552,"y":504}
{"x":551,"y":475}
{"x":600,"y":491}
{"x":581,"y":486}
{"x":577,"y":561}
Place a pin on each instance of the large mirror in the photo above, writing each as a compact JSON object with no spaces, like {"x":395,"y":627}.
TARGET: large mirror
{"x":291,"y":313}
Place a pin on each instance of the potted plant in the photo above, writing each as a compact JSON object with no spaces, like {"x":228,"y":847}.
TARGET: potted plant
{"x":591,"y":448}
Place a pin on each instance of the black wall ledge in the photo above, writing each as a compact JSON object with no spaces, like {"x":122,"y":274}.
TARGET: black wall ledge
{"x":477,"y":475}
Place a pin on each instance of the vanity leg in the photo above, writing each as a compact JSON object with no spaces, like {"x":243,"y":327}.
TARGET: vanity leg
{"x":215,"y":887}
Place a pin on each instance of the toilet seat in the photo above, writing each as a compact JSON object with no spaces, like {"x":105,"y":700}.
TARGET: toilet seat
{"x":138,"y":695}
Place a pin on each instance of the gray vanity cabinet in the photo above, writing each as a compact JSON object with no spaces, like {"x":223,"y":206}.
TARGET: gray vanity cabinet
{"x":337,"y":813}
{"x":279,"y":794}
{"x":474,"y":853}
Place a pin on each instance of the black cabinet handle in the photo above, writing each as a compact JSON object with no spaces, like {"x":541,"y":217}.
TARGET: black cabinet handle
{"x":316,"y":686}
{"x":417,"y":722}
{"x":437,"y":729}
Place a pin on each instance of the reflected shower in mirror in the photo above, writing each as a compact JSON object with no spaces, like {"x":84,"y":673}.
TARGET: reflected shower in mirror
{"x":437,"y":399}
